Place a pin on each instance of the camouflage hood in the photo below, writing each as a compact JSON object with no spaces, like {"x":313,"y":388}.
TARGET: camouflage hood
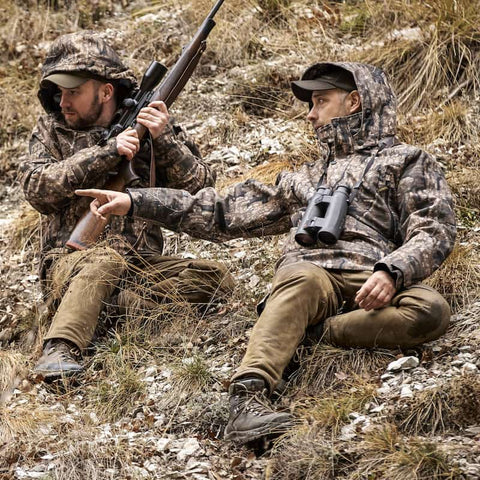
{"x":377,"y":120}
{"x":85,"y":52}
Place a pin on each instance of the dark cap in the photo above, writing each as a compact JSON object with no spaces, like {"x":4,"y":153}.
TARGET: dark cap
{"x":317,"y":79}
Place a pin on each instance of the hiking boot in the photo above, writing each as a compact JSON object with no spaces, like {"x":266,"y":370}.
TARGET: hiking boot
{"x":59,"y":359}
{"x":251,"y":416}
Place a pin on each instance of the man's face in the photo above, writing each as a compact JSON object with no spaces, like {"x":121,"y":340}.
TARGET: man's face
{"x":81,"y":106}
{"x":328,"y":104}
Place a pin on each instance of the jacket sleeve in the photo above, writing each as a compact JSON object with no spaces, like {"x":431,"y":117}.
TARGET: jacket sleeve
{"x":427,"y":222}
{"x":248,"y":209}
{"x":49,"y":181}
{"x":180,"y":161}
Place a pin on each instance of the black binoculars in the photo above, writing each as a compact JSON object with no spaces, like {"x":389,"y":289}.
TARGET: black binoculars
{"x":324,"y":217}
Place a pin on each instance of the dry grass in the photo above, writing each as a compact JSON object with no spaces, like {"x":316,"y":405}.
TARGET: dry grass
{"x":465,"y":184}
{"x":191,"y":375}
{"x":329,"y":366}
{"x":256,"y":49}
{"x":23,"y":420}
{"x":24,"y":233}
{"x":389,"y":455}
{"x":114,"y":395}
{"x":452,"y":123}
{"x":81,"y":459}
{"x":309,"y":454}
{"x":331,"y":408}
{"x":454,"y":405}
{"x":12,"y":367}
{"x":428,"y":66}
{"x":458,"y":279}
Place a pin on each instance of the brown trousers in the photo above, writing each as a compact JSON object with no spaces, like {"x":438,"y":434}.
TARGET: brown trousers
{"x":304,"y":294}
{"x":83,"y":281}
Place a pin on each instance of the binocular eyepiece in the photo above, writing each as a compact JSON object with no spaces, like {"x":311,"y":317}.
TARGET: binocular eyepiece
{"x":324,"y":217}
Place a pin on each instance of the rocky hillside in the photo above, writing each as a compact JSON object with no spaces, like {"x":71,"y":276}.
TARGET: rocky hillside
{"x":152,"y":403}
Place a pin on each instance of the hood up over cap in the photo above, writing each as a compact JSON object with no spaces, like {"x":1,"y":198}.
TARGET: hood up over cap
{"x":377,"y":120}
{"x":81,"y":55}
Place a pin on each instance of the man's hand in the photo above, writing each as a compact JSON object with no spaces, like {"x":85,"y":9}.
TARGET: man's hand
{"x":107,"y":202}
{"x":376,"y":292}
{"x":154,"y":117}
{"x":128,"y":143}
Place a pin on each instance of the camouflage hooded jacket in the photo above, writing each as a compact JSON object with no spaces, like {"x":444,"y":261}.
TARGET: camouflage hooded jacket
{"x":63,"y":159}
{"x":402,"y":218}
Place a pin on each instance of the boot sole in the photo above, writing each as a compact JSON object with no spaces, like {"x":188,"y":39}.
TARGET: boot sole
{"x":273,"y":430}
{"x":53,"y":375}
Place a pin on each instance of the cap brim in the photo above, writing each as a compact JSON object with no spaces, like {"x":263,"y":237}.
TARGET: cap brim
{"x":303,"y":89}
{"x":66,"y":80}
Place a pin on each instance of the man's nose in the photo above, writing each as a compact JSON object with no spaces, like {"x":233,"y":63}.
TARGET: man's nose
{"x":312,"y":115}
{"x":63,"y":100}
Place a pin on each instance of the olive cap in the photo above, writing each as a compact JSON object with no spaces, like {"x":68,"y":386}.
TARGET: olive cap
{"x":66,"y":80}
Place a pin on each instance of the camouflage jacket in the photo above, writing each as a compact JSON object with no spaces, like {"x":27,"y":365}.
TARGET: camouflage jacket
{"x":401,"y":220}
{"x":63,"y":159}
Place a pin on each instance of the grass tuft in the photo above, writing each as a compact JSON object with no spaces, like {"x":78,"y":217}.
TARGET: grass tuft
{"x":388,"y":455}
{"x":330,"y":366}
{"x":458,"y":279}
{"x":452,"y":406}
{"x":192,"y":375}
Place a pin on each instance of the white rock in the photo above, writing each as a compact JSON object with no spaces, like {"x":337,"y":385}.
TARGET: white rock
{"x":162,"y":444}
{"x":403,"y":363}
{"x":347,"y":432}
{"x":383,"y":390}
{"x":377,"y":408}
{"x":190,"y":447}
{"x":469,"y":368}
{"x":406,"y":392}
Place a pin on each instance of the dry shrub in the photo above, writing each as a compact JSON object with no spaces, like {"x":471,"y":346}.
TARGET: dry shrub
{"x":84,"y":458}
{"x":452,"y":123}
{"x":308,"y":453}
{"x":24,"y":232}
{"x":331,"y":408}
{"x":330,"y":366}
{"x":252,"y":30}
{"x":191,"y":375}
{"x":12,"y":367}
{"x":432,"y":62}
{"x":23,"y":420}
{"x":454,"y":405}
{"x":18,"y":419}
{"x":388,"y":455}
{"x":465,"y":184}
{"x":115,"y":395}
{"x":458,"y":279}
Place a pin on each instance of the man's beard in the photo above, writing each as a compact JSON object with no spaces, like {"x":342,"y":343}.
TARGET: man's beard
{"x":89,"y":119}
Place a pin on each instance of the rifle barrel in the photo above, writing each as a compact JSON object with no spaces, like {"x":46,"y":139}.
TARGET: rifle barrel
{"x":215,"y":9}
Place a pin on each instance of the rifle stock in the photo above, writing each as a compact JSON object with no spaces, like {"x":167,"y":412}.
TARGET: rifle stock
{"x":89,"y":227}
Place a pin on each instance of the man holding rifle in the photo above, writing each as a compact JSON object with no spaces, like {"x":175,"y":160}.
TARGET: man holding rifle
{"x":82,"y":88}
{"x":381,"y":220}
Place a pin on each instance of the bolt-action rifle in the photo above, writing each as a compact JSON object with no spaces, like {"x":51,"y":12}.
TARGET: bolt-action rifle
{"x":90,"y":227}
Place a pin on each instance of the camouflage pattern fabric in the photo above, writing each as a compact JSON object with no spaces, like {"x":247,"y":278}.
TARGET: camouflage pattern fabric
{"x":83,"y":52}
{"x":63,"y":159}
{"x":402,"y":219}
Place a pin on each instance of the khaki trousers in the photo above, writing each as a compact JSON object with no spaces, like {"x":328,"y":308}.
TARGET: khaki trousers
{"x":304,"y":295}
{"x":82,"y":281}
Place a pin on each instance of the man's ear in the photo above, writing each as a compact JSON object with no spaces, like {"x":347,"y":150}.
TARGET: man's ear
{"x":355,"y":102}
{"x":107,"y":92}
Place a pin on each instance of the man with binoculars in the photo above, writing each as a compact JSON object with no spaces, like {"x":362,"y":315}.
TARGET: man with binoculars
{"x":379,"y":219}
